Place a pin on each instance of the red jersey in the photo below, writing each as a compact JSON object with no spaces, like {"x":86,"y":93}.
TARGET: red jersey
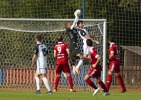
{"x":94,"y":57}
{"x":61,"y":53}
{"x":113,"y":49}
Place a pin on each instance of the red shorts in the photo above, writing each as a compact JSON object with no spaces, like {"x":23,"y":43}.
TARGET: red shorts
{"x":94,"y":73}
{"x":62,"y":67}
{"x":114,"y":67}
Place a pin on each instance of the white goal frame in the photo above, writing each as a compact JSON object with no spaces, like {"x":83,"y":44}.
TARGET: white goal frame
{"x":97,"y":20}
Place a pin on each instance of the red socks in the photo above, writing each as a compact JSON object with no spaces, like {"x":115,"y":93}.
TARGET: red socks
{"x":90,"y":83}
{"x":109,"y":81}
{"x":121,"y":82}
{"x":70,"y":82}
{"x":102,"y":85}
{"x":56,"y":82}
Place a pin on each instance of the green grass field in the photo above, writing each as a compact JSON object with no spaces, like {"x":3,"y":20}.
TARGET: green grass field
{"x":66,"y":95}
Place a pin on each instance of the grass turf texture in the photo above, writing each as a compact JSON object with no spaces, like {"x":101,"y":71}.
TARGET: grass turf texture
{"x":66,"y":95}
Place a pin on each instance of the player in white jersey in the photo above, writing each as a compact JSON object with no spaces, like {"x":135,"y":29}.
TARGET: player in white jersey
{"x":40,"y":56}
{"x":84,"y":36}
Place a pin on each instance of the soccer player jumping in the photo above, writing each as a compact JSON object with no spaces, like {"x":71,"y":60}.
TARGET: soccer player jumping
{"x":83,"y":33}
{"x":114,"y":67}
{"x":95,"y":71}
{"x":71,"y":29}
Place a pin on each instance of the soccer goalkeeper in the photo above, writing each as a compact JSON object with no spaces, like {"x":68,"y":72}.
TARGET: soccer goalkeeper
{"x":71,"y":29}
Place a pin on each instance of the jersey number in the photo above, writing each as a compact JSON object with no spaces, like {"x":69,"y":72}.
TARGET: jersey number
{"x":59,"y":49}
{"x":44,"y":50}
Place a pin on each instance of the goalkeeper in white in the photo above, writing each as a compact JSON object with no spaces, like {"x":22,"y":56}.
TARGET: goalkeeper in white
{"x":40,"y":56}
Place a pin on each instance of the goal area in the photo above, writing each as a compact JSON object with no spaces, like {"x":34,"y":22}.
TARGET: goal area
{"x":17,"y":45}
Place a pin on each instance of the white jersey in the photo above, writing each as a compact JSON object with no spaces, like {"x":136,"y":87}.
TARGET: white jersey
{"x":41,"y":53}
{"x":82,"y":33}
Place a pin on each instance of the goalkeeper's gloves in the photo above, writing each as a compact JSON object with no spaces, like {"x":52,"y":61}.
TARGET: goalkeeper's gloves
{"x":76,"y":15}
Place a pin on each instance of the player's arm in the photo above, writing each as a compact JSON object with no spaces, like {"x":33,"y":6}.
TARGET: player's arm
{"x":68,"y":52}
{"x":111,"y":54}
{"x":111,"y":49}
{"x":97,"y":61}
{"x":74,"y":24}
{"x":55,"y":54}
{"x":95,"y":41}
{"x":86,"y":57}
{"x":34,"y":56}
{"x":33,"y":60}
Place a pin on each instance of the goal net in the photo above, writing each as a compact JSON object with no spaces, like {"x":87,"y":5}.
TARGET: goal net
{"x":17,"y":44}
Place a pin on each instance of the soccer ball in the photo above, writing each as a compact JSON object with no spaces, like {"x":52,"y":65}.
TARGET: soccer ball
{"x":77,"y":12}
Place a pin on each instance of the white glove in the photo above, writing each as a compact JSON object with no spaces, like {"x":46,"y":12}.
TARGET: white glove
{"x":76,"y":15}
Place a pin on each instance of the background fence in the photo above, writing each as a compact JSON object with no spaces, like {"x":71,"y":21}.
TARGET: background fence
{"x":123,"y":22}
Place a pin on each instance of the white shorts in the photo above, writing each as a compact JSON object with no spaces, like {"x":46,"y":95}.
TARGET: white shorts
{"x":85,"y":50}
{"x":41,"y":70}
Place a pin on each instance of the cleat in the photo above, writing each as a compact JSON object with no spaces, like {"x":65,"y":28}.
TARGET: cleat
{"x":123,"y":91}
{"x":96,"y":91}
{"x":38,"y":92}
{"x":106,"y":93}
{"x":55,"y":90}
{"x":71,"y":90}
{"x":49,"y":92}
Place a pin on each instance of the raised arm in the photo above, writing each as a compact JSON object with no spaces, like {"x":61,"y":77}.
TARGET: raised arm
{"x":75,"y":22}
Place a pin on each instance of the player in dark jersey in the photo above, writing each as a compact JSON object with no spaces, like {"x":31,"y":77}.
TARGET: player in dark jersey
{"x":71,"y":30}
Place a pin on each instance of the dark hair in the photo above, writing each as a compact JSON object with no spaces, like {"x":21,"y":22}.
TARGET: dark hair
{"x":80,"y":21}
{"x":89,"y":42}
{"x":111,"y":39}
{"x":59,"y":38}
{"x":38,"y":37}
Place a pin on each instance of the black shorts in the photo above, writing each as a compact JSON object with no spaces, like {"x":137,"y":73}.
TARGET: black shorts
{"x":74,"y":49}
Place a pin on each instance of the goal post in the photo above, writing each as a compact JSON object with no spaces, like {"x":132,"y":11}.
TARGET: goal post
{"x":17,"y":43}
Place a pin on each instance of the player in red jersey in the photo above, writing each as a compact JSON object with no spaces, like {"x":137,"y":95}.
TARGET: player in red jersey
{"x":114,"y":67}
{"x":61,"y":53}
{"x":96,"y":69}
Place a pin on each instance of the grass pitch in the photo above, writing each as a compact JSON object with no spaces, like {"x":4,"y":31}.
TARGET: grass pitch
{"x":66,"y":95}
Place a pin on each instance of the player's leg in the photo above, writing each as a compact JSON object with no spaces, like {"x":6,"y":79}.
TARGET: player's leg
{"x":109,"y":76}
{"x":66,"y":70}
{"x":120,"y":80}
{"x":45,"y":80}
{"x":89,"y":82}
{"x":75,"y":54}
{"x":102,"y":86}
{"x":36,"y":76}
{"x":57,"y":77}
{"x":80,"y":63}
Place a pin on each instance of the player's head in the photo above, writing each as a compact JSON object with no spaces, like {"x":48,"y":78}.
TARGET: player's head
{"x":111,"y":39}
{"x":38,"y":38}
{"x":89,"y":42}
{"x":59,"y":38}
{"x":80,"y":23}
{"x":68,"y":25}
